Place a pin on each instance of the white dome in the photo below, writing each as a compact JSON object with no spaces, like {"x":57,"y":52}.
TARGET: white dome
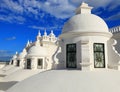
{"x":14,"y":57}
{"x":70,"y":81}
{"x":22,"y":54}
{"x":85,"y":23}
{"x":37,"y":51}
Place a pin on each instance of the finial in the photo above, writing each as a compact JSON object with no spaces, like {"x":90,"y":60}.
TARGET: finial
{"x":39,"y":34}
{"x":31,"y":41}
{"x":51,"y":34}
{"x":28,"y":43}
{"x":83,"y":2}
{"x":84,"y":9}
{"x":51,"y":31}
{"x":16,"y":52}
{"x":24,"y":50}
{"x":45,"y":33}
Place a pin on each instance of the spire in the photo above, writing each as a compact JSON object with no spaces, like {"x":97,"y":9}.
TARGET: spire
{"x":16,"y":52}
{"x":45,"y":33}
{"x":39,"y":34}
{"x":84,"y":9}
{"x":31,"y":41}
{"x":51,"y":34}
{"x":28,"y":43}
{"x":24,"y":50}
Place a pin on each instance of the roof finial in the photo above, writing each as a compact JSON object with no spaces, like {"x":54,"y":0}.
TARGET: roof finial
{"x":84,"y":9}
{"x":51,"y":31}
{"x":39,"y":34}
{"x":83,"y":2}
{"x":45,"y":33}
{"x":28,"y":43}
{"x":31,"y":41}
{"x":16,"y":52}
{"x":24,"y":50}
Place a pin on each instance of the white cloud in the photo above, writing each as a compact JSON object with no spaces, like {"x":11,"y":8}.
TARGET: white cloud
{"x":58,"y":8}
{"x":13,"y":6}
{"x":12,"y":19}
{"x":5,"y":53}
{"x":113,"y":17}
{"x":44,"y":28}
{"x":10,"y":38}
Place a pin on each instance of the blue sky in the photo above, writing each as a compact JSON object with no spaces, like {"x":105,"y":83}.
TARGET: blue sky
{"x":20,"y":20}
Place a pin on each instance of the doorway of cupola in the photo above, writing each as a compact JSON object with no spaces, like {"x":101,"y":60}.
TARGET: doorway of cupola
{"x":40,"y":64}
{"x":28,"y":63}
{"x":18,"y":62}
{"x":71,"y":61}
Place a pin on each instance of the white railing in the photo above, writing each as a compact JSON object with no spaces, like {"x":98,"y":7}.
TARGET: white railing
{"x":115,"y":29}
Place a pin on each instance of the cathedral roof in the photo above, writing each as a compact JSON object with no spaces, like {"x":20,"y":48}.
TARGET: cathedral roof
{"x":84,"y":21}
{"x":70,"y":81}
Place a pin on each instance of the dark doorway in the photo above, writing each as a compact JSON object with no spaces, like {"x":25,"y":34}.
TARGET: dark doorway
{"x":28,"y":63}
{"x":12,"y":62}
{"x":71,"y":56}
{"x":18,"y":62}
{"x":40,"y":63}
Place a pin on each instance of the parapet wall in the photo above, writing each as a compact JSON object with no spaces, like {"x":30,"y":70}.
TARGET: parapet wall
{"x":115,"y":29}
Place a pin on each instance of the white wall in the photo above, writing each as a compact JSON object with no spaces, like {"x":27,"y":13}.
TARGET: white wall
{"x":85,"y":55}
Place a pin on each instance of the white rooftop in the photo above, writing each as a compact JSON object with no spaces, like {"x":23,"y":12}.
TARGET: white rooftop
{"x":71,"y":81}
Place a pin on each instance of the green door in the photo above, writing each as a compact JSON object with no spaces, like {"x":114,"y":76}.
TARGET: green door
{"x":71,"y":56}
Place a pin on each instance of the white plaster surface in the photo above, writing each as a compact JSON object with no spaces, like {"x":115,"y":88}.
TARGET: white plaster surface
{"x":10,"y":75}
{"x":71,"y":81}
{"x":85,"y":23}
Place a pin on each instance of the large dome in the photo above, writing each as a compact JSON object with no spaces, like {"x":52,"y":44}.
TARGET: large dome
{"x":85,"y":23}
{"x":37,"y":51}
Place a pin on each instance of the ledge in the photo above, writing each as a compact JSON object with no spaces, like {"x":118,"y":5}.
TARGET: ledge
{"x":85,"y":64}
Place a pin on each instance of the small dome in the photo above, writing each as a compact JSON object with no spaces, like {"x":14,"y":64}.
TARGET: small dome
{"x":85,"y":23}
{"x":37,"y":51}
{"x":22,"y":54}
{"x":14,"y":57}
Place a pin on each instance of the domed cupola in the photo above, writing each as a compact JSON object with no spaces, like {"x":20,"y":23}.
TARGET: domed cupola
{"x":85,"y":22}
{"x":22,"y":54}
{"x":37,"y":50}
{"x":15,"y":56}
{"x":52,"y":34}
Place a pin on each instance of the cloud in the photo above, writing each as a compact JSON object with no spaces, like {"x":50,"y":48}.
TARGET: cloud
{"x":6,"y":55}
{"x":58,"y":8}
{"x":12,"y":19}
{"x":11,"y":38}
{"x":45,"y":28}
{"x":113,"y":17}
